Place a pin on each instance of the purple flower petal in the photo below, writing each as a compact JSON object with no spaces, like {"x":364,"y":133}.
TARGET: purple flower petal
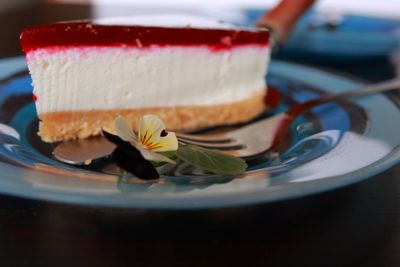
{"x":163,"y":133}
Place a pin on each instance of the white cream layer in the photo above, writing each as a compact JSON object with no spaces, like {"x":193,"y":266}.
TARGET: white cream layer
{"x":81,"y":79}
{"x":173,"y":21}
{"x":169,"y":20}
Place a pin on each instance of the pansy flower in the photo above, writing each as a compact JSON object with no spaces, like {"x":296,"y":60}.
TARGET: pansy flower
{"x":134,"y":153}
{"x":137,"y":154}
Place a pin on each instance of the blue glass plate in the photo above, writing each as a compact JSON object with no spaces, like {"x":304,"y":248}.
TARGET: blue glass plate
{"x":329,"y":147}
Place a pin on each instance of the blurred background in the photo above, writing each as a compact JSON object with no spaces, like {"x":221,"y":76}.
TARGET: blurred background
{"x":357,"y":225}
{"x":340,"y":34}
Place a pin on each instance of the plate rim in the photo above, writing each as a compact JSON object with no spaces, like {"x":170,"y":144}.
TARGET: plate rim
{"x":9,"y":66}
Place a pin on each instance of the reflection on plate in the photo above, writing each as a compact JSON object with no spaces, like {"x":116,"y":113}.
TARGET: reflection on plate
{"x":333,"y":145}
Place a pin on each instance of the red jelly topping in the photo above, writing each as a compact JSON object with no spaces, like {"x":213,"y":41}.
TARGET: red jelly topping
{"x":86,"y":34}
{"x":34,"y":97}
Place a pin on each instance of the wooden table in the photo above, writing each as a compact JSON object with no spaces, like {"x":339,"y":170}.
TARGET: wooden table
{"x":354,"y":226}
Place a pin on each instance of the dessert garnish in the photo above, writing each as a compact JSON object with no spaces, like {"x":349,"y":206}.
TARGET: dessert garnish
{"x":153,"y":145}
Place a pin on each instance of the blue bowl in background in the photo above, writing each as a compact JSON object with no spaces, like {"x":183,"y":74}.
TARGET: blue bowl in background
{"x":319,"y":37}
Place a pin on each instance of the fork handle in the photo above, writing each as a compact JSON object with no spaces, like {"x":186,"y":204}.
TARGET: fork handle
{"x":369,"y":89}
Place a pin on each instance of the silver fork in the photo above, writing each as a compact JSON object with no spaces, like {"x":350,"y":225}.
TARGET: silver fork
{"x":245,"y":142}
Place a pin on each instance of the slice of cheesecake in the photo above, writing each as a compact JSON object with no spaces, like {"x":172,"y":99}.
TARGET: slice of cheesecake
{"x":192,"y":72}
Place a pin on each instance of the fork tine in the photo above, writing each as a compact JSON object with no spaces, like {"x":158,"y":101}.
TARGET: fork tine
{"x":204,"y":138}
{"x":221,"y":146}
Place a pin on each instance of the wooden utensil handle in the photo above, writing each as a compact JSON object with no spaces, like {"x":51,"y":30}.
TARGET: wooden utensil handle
{"x":283,"y":17}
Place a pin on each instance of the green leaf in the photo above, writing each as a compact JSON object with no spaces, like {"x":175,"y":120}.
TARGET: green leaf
{"x":168,"y":154}
{"x":211,"y":161}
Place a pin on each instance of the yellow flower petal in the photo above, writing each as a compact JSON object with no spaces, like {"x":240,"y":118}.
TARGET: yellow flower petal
{"x":153,"y":136}
{"x":166,"y":143}
{"x":123,"y":130}
{"x":149,"y":126}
